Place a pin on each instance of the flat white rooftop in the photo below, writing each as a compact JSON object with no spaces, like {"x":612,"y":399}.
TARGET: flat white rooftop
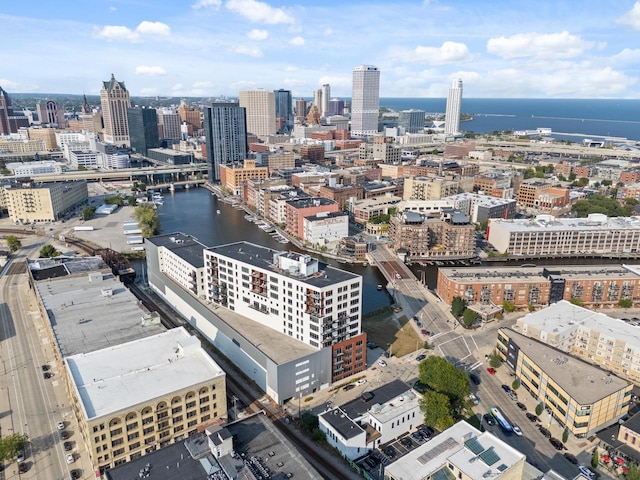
{"x":129,"y":374}
{"x":546,"y":223}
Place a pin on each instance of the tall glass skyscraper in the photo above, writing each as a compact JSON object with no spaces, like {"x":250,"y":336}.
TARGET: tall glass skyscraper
{"x":143,"y":129}
{"x":454,"y":105}
{"x":411,"y":120}
{"x":225,"y":129}
{"x":365,"y":100}
{"x":284,"y":111}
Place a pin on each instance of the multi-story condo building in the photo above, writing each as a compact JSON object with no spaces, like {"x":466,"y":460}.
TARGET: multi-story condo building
{"x":168,"y":124}
{"x":114,"y":98}
{"x":365,"y":98}
{"x":275,"y":161}
{"x":336,"y":107}
{"x":260,"y":106}
{"x":549,"y":236}
{"x":23,"y":146}
{"x":460,"y":452}
{"x":42,"y":167}
{"x":480,"y":208}
{"x":530,"y":192}
{"x":135,"y":397}
{"x":28,"y":202}
{"x":234,"y":175}
{"x":454,"y":108}
{"x":601,"y":286}
{"x":579,"y":396}
{"x":225,"y":128}
{"x":324,"y":228}
{"x":83,"y":158}
{"x":411,"y":120}
{"x":284,"y":111}
{"x":429,"y":188}
{"x":415,"y":237}
{"x":290,"y":322}
{"x":299,"y":208}
{"x":595,"y":337}
{"x":191,"y":116}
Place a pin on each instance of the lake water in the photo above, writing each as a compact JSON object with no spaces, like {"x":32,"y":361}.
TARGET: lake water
{"x":193,"y":212}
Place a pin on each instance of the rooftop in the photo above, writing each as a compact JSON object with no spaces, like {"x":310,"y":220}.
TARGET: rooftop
{"x":358,"y":407}
{"x":477,"y":455}
{"x":88,"y":308}
{"x":594,"y":222}
{"x":121,"y":376}
{"x":341,"y":423}
{"x":584,"y":382}
{"x":184,"y":246}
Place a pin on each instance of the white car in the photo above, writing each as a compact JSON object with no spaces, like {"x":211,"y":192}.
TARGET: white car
{"x":70,"y":458}
{"x":474,"y":399}
{"x":382,"y":363}
{"x":60,"y":425}
{"x":587,"y":472}
{"x":362,"y":381}
{"x":517,"y":431}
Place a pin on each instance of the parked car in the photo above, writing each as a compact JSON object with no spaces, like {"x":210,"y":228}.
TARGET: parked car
{"x":22,"y":467}
{"x":75,"y":474}
{"x":362,"y":381}
{"x":20,"y":456}
{"x":67,"y":446}
{"x":557,"y":444}
{"x":513,"y":396}
{"x":417,"y":436}
{"x":421,"y":357}
{"x":516,"y":430}
{"x":47,"y":375}
{"x":60,"y":425}
{"x":351,"y":386}
{"x":382,"y":363}
{"x":406,"y":441}
{"x":474,"y":379}
{"x":70,"y":458}
{"x":474,"y":399}
{"x":505,"y":388}
{"x":372,"y":345}
{"x":587,"y":472}
{"x":545,"y":432}
{"x":489,"y":419}
{"x":521,"y":406}
{"x":424,"y":332}
{"x":531,"y":417}
{"x":571,"y":457}
{"x":44,"y":367}
{"x":427,"y":431}
{"x":491,"y":370}
{"x":389,"y":451}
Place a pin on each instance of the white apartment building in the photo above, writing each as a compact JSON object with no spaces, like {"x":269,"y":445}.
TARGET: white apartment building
{"x":260,"y":106}
{"x":28,"y":169}
{"x":365,"y":100}
{"x":363,"y":210}
{"x":114,"y":161}
{"x":362,"y":425}
{"x":480,"y":208}
{"x":87,"y":160}
{"x":183,"y":262}
{"x":547,"y":235}
{"x":454,"y":106}
{"x":64,"y":137}
{"x":325,"y":227}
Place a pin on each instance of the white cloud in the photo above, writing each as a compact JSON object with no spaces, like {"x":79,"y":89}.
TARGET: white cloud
{"x":112,"y":8}
{"x":149,"y":91}
{"x":298,"y":41}
{"x":549,"y":45}
{"x":125,"y":34}
{"x":448,"y":52}
{"x":632,"y":17}
{"x":246,"y":50}
{"x":153,"y":28}
{"x":259,"y":12}
{"x":628,"y":56}
{"x":203,"y":84}
{"x":256,"y":34}
{"x":327,"y":32}
{"x":291,"y":68}
{"x":243,"y":85}
{"x":206,"y":4}
{"x":150,"y":70}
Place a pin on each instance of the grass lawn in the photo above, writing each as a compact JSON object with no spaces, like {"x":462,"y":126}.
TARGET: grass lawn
{"x":384,"y":327}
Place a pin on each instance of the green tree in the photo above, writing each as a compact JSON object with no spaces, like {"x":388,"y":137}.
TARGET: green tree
{"x":595,"y":458}
{"x":515,"y":384}
{"x":583,"y":181}
{"x":539,"y":409}
{"x":443,"y":377}
{"x":308,"y":421}
{"x":508,"y":306}
{"x":436,"y":409}
{"x":10,"y":445}
{"x":634,"y":472}
{"x":561,"y":177}
{"x":576,"y":301}
{"x":148,"y":220}
{"x":494,"y":359}
{"x":13,"y":243}
{"x":88,"y":212}
{"x":114,"y":200}
{"x":530,"y":307}
{"x":483,"y":225}
{"x":469,"y":317}
{"x":457,"y":306}
{"x":625,"y":303}
{"x":572,"y":176}
{"x":601,"y":204}
{"x":565,"y":435}
{"x":49,"y":251}
{"x":131,"y":201}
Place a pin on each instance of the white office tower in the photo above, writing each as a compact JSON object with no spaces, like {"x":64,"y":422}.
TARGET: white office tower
{"x":454,"y":104}
{"x":260,"y":107}
{"x":365,"y":99}
{"x":326,"y":96}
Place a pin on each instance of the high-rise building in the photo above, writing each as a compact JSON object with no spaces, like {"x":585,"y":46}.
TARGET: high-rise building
{"x":114,"y":98}
{"x":9,"y":121}
{"x":301,"y":110}
{"x":454,"y":105}
{"x":326,"y":96}
{"x":225,"y":129}
{"x":169,"y":124}
{"x":335,"y":107}
{"x":51,"y":113}
{"x":365,"y":98}
{"x":143,"y":129}
{"x":191,"y":116}
{"x":284,"y":111}
{"x":260,"y":108}
{"x":411,"y":120}
{"x":317,"y":98}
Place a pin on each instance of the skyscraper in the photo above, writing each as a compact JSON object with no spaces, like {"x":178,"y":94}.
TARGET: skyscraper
{"x":454,"y":104}
{"x":114,"y":99}
{"x":411,"y":120}
{"x":225,"y":129}
{"x":143,"y":129}
{"x":326,"y":96}
{"x":169,"y":124}
{"x":9,"y":121}
{"x":301,"y":110}
{"x":365,"y":98}
{"x":260,"y":108}
{"x":336,"y":107}
{"x":51,"y":113}
{"x":284,"y":111}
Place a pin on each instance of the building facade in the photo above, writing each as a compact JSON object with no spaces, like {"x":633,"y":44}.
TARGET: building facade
{"x":365,"y":100}
{"x":260,"y":106}
{"x":325,"y":228}
{"x":233,"y":176}
{"x":284,"y":111}
{"x":454,"y":108}
{"x":114,"y":99}
{"x":10,"y":121}
{"x":225,"y":128}
{"x":581,"y":397}
{"x":298,"y":208}
{"x":429,"y":188}
{"x":411,"y":120}
{"x":143,"y":129}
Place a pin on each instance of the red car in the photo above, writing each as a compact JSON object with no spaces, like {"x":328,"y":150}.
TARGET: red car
{"x":492,"y":371}
{"x":22,"y":467}
{"x":424,"y":332}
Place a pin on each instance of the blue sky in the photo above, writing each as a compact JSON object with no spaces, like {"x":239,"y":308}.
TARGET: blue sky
{"x":517,"y":49}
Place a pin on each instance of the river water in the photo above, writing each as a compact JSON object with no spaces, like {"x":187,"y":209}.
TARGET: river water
{"x":193,"y":212}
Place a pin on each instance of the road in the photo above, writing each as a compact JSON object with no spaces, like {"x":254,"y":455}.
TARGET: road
{"x":30,"y":404}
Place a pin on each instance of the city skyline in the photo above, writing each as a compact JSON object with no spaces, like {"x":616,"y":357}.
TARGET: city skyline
{"x":220,"y":47}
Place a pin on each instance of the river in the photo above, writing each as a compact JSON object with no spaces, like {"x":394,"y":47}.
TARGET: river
{"x":193,"y":212}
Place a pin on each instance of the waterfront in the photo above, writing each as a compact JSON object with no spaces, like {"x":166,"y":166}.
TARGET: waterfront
{"x":193,"y":212}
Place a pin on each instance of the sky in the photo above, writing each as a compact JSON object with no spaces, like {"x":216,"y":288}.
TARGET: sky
{"x":515,"y":49}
